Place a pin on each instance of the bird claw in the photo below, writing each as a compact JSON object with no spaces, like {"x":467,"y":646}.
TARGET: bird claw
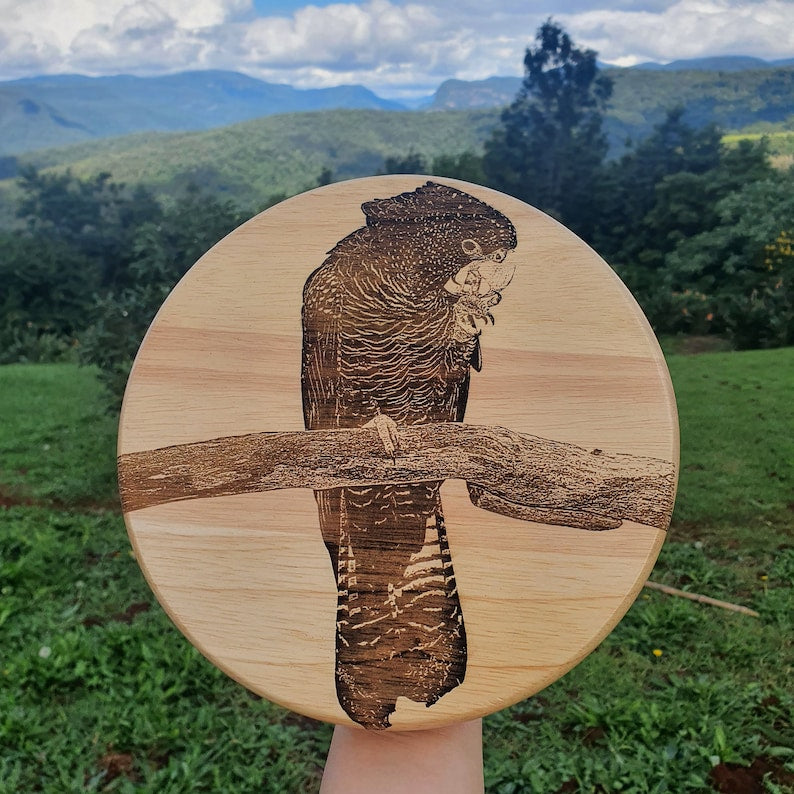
{"x":471,"y":308}
{"x":388,"y":433}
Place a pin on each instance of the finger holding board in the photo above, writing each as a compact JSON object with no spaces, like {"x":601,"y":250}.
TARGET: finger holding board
{"x":398,"y":452}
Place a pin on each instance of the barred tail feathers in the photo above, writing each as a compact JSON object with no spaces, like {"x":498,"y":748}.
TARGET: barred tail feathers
{"x":400,"y":627}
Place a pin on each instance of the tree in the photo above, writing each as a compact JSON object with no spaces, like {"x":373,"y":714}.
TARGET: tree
{"x":47,"y":292}
{"x":742,"y":268}
{"x":97,"y":217}
{"x":659,"y":197}
{"x":161,"y":254}
{"x":550,"y":146}
{"x":466,"y":166}
{"x":325,"y":177}
{"x":629,"y":232}
{"x":93,"y":264}
{"x":411,"y":163}
{"x":76,"y":242}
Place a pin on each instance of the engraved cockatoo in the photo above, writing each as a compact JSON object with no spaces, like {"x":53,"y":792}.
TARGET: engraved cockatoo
{"x":391,"y":330}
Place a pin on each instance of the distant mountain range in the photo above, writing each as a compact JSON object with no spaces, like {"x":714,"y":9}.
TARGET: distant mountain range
{"x":734,"y":99}
{"x":720,"y":63}
{"x":40,"y":112}
{"x":44,"y":112}
{"x":500,"y":91}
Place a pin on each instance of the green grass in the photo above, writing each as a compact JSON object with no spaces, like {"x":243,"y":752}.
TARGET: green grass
{"x":57,"y":444}
{"x":737,"y":449}
{"x":99,"y":692}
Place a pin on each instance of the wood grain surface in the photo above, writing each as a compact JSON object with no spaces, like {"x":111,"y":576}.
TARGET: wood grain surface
{"x":569,"y":363}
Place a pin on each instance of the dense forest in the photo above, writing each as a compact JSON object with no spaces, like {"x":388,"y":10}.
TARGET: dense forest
{"x":255,"y":160}
{"x":700,"y":231}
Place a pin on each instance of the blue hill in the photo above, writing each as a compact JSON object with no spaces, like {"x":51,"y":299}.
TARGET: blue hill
{"x":55,"y":110}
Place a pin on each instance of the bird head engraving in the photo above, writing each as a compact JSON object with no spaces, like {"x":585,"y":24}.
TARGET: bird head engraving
{"x":451,"y":236}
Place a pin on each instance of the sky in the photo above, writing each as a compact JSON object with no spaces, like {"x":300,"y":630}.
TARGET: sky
{"x":397,"y":48}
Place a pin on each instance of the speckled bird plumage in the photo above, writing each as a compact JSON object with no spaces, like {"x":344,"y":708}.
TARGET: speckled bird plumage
{"x":380,"y":340}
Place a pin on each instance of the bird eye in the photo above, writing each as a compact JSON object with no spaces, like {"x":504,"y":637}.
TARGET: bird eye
{"x":498,"y":256}
{"x":471,"y":248}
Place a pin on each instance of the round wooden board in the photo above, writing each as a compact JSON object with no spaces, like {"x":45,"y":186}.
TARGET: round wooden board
{"x":246,"y":576}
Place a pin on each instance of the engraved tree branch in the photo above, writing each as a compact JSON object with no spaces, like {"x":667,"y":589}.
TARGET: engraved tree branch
{"x":514,"y":474}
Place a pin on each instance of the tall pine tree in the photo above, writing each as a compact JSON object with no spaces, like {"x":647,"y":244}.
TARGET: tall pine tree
{"x":550,"y":146}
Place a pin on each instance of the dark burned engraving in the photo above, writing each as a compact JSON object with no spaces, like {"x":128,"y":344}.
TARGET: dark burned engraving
{"x":392,"y":322}
{"x":514,"y":474}
{"x":391,"y":326}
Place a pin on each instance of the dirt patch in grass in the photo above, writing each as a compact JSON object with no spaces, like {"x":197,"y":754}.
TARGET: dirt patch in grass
{"x":569,"y":787}
{"x":694,"y":345}
{"x":572,"y":787}
{"x":116,"y":765}
{"x":593,"y":736}
{"x":737,"y":779}
{"x":127,"y":616}
{"x":16,"y":497}
{"x":760,"y":536}
{"x":92,"y":558}
{"x":10,"y":498}
{"x":299,"y":721}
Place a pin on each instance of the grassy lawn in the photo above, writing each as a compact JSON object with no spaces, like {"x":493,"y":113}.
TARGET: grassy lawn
{"x":99,"y":692}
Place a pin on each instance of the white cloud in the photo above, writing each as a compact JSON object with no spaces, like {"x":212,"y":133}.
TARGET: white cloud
{"x":27,"y":53}
{"x":343,"y":34}
{"x":380,"y":43}
{"x":392,"y":46}
{"x":689,"y":29}
{"x":108,"y":36}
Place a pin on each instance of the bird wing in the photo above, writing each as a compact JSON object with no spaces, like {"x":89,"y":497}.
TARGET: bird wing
{"x":320,"y":377}
{"x":320,"y":381}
